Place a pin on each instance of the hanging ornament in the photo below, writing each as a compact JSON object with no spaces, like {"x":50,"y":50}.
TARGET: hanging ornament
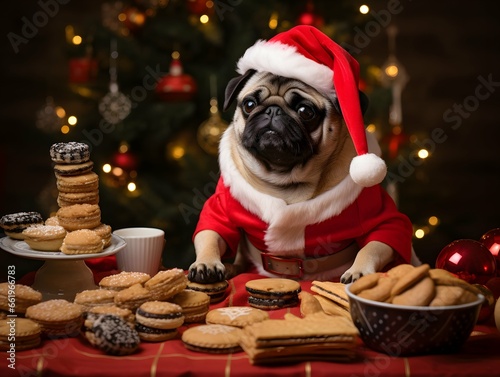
{"x":133,"y":19}
{"x":200,"y":7}
{"x":211,"y":130}
{"x":176,"y":85}
{"x":83,"y":69}
{"x":122,"y":170}
{"x":309,"y":17}
{"x":470,"y":260}
{"x":50,"y":118}
{"x":114,"y":106}
{"x":491,"y":240}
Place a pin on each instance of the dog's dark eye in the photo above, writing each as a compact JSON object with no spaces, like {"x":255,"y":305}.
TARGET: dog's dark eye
{"x":248,"y":105}
{"x":306,"y":112}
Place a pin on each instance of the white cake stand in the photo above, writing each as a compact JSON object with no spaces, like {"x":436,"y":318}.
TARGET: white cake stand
{"x":61,"y":276}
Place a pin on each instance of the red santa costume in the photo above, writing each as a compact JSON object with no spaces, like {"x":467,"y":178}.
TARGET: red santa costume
{"x":311,"y":235}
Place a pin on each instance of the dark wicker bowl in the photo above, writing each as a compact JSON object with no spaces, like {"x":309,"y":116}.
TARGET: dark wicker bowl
{"x":399,"y":330}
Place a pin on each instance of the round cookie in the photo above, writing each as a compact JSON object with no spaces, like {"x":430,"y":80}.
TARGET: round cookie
{"x":65,"y":199}
{"x":132,"y":297}
{"x":79,"y":216}
{"x":104,"y":231}
{"x":407,"y":280}
{"x":69,"y":153}
{"x":166,"y":284}
{"x":212,"y":338}
{"x":113,"y":336}
{"x":14,"y":224}
{"x":158,"y":320}
{"x":52,"y":220}
{"x":87,"y":182}
{"x":124,"y":279}
{"x":239,"y":316}
{"x":195,"y":305}
{"x":365,"y":282}
{"x":381,"y":291}
{"x":25,"y":297}
{"x":419,"y":294}
{"x":73,"y":169}
{"x":26,"y":334}
{"x":91,"y":298}
{"x":273,"y":293}
{"x":57,"y":317}
{"x":96,"y":311}
{"x":44,"y":237}
{"x":82,"y":241}
{"x":216,"y":291}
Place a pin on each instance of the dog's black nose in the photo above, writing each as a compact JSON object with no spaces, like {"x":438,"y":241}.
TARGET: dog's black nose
{"x":273,"y":111}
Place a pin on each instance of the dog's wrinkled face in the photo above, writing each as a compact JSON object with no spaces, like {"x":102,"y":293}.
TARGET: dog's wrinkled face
{"x":283,"y":123}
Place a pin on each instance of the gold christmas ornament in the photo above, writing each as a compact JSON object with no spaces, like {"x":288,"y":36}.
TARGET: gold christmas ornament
{"x":211,"y":130}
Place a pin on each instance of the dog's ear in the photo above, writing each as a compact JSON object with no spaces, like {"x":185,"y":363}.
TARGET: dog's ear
{"x":363,"y":102}
{"x":234,"y":86}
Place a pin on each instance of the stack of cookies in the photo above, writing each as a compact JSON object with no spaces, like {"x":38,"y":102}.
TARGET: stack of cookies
{"x":78,"y":199}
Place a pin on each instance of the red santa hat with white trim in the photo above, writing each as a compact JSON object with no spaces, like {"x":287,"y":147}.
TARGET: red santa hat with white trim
{"x":305,"y":53}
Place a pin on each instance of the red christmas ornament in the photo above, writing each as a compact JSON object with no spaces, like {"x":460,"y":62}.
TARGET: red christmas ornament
{"x":199,"y":7}
{"x":125,"y":160}
{"x":309,"y":17}
{"x":176,"y":85}
{"x":82,"y":70}
{"x":470,"y":260}
{"x":494,"y":286}
{"x":488,"y":306}
{"x":491,"y":239}
{"x":133,"y":19}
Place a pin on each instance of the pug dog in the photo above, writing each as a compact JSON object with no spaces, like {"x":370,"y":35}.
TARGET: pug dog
{"x":288,"y":202}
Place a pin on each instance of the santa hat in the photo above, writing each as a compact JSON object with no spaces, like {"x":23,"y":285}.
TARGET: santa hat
{"x":305,"y":53}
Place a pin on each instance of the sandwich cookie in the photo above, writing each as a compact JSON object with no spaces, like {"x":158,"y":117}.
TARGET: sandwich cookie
{"x":91,"y":298}
{"x":212,"y":338}
{"x":82,"y":241}
{"x":27,"y":334}
{"x":112,"y":335}
{"x":44,"y":237}
{"x":52,"y":220}
{"x":195,"y":305}
{"x":216,"y":291}
{"x":73,"y":169}
{"x":332,"y":291}
{"x":133,"y":297}
{"x":69,"y":153}
{"x":123,"y":280}
{"x":65,"y":199}
{"x":157,"y":321}
{"x":79,"y":216}
{"x":239,"y":316}
{"x":166,"y":284}
{"x":96,"y":311}
{"x":273,"y":293}
{"x":25,"y":297}
{"x":87,"y":182}
{"x":14,"y":224}
{"x":57,"y":317}
{"x":104,"y":231}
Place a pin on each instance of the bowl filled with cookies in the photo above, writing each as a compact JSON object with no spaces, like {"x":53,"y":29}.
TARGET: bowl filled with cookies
{"x":414,"y":310}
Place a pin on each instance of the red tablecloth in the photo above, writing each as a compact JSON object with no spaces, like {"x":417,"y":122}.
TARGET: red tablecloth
{"x":480,"y":356}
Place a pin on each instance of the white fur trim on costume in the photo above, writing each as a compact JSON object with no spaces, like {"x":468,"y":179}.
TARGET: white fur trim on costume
{"x":284,"y":60}
{"x":367,"y":170}
{"x":287,"y":222}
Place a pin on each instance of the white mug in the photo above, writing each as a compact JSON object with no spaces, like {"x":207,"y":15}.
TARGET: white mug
{"x":143,"y":249}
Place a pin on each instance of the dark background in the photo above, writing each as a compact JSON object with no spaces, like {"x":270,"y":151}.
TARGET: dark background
{"x":445,"y":46}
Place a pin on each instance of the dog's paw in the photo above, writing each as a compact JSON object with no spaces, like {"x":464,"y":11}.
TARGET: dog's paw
{"x":350,"y":277}
{"x":206,"y":272}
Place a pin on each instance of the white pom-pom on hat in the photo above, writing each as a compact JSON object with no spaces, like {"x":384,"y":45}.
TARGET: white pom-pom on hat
{"x":367,"y":170}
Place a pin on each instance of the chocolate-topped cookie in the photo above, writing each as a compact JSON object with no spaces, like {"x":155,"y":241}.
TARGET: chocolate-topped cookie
{"x":70,"y":153}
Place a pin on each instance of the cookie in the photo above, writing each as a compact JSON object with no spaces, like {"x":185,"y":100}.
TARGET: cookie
{"x":273,"y":293}
{"x":69,"y":153}
{"x":25,"y":297}
{"x":44,"y":237}
{"x":57,"y":317}
{"x":14,"y":224}
{"x":381,"y":291}
{"x":331,"y":308}
{"x":216,"y":291}
{"x":95,"y":297}
{"x":52,"y":220}
{"x":82,"y":241}
{"x":239,"y":316}
{"x":443,"y":277}
{"x":158,"y":320}
{"x":410,"y":278}
{"x":365,"y":282}
{"x":104,"y":231}
{"x":65,"y":199}
{"x":96,"y":311}
{"x":166,"y":284}
{"x":79,"y":216}
{"x":23,"y":333}
{"x":400,"y":270}
{"x":333,"y":291}
{"x":419,"y":294}
{"x":195,"y":305}
{"x":112,"y":335}
{"x":132,"y":297}
{"x":87,"y":182}
{"x":123,"y":280}
{"x":212,"y":338}
{"x":73,"y":168}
